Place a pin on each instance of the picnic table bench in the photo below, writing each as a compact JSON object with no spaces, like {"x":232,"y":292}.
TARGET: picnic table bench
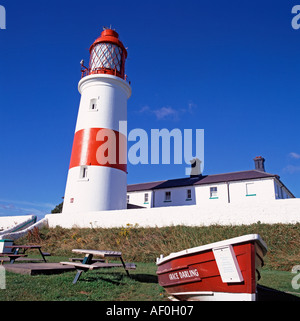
{"x":80,"y":259}
{"x":89,"y":263}
{"x":19,"y":251}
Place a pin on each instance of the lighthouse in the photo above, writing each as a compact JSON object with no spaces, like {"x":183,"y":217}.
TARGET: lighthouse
{"x":97,"y":176}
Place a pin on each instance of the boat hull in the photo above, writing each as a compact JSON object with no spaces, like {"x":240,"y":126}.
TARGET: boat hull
{"x":226,"y":270}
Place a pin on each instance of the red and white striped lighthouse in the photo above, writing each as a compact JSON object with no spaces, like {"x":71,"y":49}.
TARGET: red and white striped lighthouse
{"x":97,"y":177}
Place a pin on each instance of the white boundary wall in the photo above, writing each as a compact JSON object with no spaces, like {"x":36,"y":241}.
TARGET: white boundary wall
{"x":15,"y":222}
{"x":270,"y":212}
{"x":15,"y":235}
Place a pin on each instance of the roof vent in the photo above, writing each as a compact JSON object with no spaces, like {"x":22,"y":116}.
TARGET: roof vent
{"x":259,"y":162}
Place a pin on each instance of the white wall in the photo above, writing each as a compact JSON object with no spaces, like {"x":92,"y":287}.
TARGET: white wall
{"x":270,"y":212}
{"x":178,"y":196}
{"x":9,"y":234}
{"x":157,"y":197}
{"x":111,"y":93}
{"x":262,"y":190}
{"x":138,"y":198}
{"x":10,"y":222}
{"x":103,"y":189}
{"x":203,"y":195}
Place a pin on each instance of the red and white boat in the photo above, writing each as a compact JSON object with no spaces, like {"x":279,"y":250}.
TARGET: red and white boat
{"x":223,"y":271}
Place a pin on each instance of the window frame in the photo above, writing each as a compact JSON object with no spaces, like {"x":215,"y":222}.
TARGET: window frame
{"x":213,"y":192}
{"x":188,"y":194}
{"x":247,"y":189}
{"x":168,"y":196}
{"x":146,"y":198}
{"x":93,"y":103}
{"x":83,"y":173}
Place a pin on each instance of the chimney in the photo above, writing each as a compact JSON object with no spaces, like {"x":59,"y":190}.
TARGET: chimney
{"x":195,"y":167}
{"x":259,"y":163}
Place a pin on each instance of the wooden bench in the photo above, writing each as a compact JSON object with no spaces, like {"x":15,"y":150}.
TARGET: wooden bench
{"x":80,"y":259}
{"x":17,"y":248}
{"x":13,"y":257}
{"x":95,"y":266}
{"x":100,"y":253}
{"x":89,"y":263}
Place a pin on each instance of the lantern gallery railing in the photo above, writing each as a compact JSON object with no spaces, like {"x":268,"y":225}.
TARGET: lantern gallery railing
{"x":114,"y":72}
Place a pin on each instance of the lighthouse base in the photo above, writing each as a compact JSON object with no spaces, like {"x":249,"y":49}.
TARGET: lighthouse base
{"x":87,"y":194}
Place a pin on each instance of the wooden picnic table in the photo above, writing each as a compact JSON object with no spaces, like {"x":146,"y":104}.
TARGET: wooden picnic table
{"x":19,"y":251}
{"x":89,"y":263}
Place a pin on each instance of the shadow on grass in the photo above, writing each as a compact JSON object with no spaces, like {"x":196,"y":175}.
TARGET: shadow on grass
{"x":145,"y":278}
{"x":117,"y":278}
{"x":265,"y":293}
{"x":113,"y":278}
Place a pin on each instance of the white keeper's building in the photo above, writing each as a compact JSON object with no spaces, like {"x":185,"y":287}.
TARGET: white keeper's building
{"x":209,"y":190}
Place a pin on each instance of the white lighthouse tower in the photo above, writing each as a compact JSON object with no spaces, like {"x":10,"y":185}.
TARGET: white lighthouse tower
{"x":97,"y":177}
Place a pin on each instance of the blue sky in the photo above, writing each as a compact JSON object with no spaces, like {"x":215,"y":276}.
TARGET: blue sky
{"x":230,"y":67}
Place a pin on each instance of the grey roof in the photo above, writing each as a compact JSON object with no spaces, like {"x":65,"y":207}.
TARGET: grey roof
{"x":201,"y":180}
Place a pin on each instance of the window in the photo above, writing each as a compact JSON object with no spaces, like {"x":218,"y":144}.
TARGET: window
{"x":189,"y":194}
{"x":128,"y":197}
{"x":93,"y":104}
{"x":146,"y":198}
{"x":278,"y":191}
{"x":83,"y":172}
{"x":250,"y":190}
{"x":213,"y":192}
{"x":167,"y":196}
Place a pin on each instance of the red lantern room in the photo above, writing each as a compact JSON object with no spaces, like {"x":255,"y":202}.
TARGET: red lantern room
{"x":107,"y":55}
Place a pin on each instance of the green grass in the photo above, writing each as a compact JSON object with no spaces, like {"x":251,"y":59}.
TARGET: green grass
{"x":279,"y":280}
{"x":109,"y":285}
{"x":100,"y":285}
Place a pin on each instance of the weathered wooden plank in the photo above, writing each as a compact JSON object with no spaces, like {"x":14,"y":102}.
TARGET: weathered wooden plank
{"x":13,"y":255}
{"x":77,"y":265}
{"x":80,"y":259}
{"x":98,"y":252}
{"x":38,"y":268}
{"x":23,"y":246}
{"x":128,"y":266}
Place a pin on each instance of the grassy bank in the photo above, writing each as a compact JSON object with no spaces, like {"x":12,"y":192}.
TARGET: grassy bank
{"x":145,"y":244}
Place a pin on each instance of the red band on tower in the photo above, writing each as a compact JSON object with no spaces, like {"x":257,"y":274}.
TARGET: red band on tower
{"x":99,"y":147}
